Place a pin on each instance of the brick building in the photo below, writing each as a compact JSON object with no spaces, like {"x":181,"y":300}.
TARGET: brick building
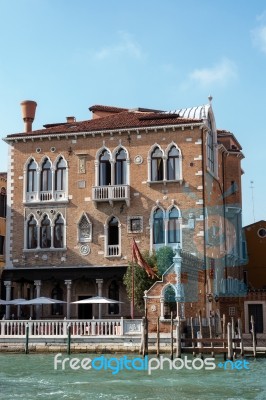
{"x":3,"y":177}
{"x":78,"y":192}
{"x":255,"y":276}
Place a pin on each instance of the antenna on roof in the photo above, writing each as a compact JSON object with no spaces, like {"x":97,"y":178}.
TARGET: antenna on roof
{"x":210,"y":98}
{"x":252,"y":194}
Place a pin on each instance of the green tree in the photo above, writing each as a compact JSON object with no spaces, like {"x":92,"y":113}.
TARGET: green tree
{"x":162,"y":259}
{"x":142,"y":281}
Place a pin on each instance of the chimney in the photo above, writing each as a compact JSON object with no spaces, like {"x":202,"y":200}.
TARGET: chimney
{"x":70,"y":120}
{"x":28,"y":108}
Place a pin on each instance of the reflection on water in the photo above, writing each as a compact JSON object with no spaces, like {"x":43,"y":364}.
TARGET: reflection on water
{"x":33,"y":377}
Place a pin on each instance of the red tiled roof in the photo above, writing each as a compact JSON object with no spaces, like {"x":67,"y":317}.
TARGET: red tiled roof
{"x":116,"y":121}
{"x":98,"y":107}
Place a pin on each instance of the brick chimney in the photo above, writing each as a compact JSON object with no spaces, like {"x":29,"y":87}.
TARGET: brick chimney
{"x":28,"y":108}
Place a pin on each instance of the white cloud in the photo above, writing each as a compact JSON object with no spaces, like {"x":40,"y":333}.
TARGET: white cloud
{"x":126,"y":46}
{"x":220,"y":74}
{"x":259,"y":38}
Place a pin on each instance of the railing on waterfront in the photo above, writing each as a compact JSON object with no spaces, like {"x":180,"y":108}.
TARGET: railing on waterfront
{"x":92,"y":327}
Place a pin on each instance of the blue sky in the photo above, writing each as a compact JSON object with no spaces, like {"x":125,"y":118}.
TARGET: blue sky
{"x":68,"y":55}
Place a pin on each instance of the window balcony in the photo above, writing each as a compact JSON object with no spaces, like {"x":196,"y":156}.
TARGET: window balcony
{"x":46,"y":196}
{"x":111,"y":194}
{"x":113,"y":250}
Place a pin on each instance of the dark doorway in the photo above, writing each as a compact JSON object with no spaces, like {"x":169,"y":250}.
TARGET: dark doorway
{"x":257,"y":312}
{"x":84,"y":310}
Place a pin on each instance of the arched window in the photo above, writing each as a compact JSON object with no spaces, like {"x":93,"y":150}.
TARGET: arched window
{"x":113,"y":237}
{"x":46,"y":176}
{"x":59,"y":232}
{"x":84,"y":229}
{"x":57,"y":294}
{"x":158,"y":227}
{"x":157,"y":165}
{"x":174,"y":226}
{"x":105,"y":168}
{"x":121,"y":168}
{"x":3,"y":202}
{"x":32,"y":238}
{"x":32,"y":176}
{"x":113,"y":293}
{"x":60,"y":174}
{"x":169,"y":302}
{"x":173,"y":164}
{"x":45,"y":233}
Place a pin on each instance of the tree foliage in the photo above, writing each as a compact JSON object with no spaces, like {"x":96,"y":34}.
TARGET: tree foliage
{"x":162,"y":259}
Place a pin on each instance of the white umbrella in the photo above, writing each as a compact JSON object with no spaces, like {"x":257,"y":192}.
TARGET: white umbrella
{"x":96,"y":300}
{"x":15,"y":301}
{"x":41,"y":300}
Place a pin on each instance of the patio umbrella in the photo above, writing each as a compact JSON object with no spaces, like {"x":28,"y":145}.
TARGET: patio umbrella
{"x":40,"y":301}
{"x":97,"y":300}
{"x":16,"y":302}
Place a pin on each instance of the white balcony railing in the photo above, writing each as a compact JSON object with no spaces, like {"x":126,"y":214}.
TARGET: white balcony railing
{"x":58,"y":328}
{"x":113,"y":250}
{"x":49,"y":196}
{"x":111,"y":193}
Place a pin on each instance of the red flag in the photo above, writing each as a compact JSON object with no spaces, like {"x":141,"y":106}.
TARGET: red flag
{"x":138,"y":259}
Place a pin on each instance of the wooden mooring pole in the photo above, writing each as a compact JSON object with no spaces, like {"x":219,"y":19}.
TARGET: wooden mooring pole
{"x":158,"y":338}
{"x":192,"y":335}
{"x":229,"y":342}
{"x":27,"y":339}
{"x":253,"y":333}
{"x":172,"y":337}
{"x":178,"y":338}
{"x":240,"y":336}
{"x":210,"y":330}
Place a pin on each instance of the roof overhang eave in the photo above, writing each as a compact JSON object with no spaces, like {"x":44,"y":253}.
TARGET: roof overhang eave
{"x":10,"y":139}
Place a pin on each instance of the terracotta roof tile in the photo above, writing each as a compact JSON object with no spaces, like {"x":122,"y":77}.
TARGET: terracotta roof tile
{"x":116,"y":121}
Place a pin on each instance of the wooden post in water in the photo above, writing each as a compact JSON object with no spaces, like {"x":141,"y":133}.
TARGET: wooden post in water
{"x":146,"y":338}
{"x":239,"y":328}
{"x":141,"y":349}
{"x":68,"y":339}
{"x":224,"y":334}
{"x":192,"y":335}
{"x":210,"y":330}
{"x":27,"y":340}
{"x":229,"y":342}
{"x":158,"y":337}
{"x":200,"y":330}
{"x":172,"y":337}
{"x":178,"y":337}
{"x":253,"y":335}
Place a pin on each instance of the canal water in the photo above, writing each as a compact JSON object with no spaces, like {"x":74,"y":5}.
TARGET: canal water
{"x":34,"y":376}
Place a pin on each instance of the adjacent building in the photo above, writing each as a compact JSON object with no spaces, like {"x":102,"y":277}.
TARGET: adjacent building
{"x":80,"y":191}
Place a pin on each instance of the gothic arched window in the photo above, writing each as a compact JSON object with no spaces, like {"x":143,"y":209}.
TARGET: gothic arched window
{"x":157,"y":165}
{"x":32,"y":238}
{"x":104,"y":168}
{"x":158,"y":227}
{"x":173,"y":164}
{"x":121,"y":168}
{"x":59,"y":232}
{"x":60,"y":174}
{"x":32,"y":176}
{"x":45,"y":233}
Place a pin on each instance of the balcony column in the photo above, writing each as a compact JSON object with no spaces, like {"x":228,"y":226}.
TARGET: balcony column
{"x":68,"y":284}
{"x":53,"y":183}
{"x":112,"y":162}
{"x":100,"y":293}
{"x":38,"y":285}
{"x":38,"y":173}
{"x":8,"y":297}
